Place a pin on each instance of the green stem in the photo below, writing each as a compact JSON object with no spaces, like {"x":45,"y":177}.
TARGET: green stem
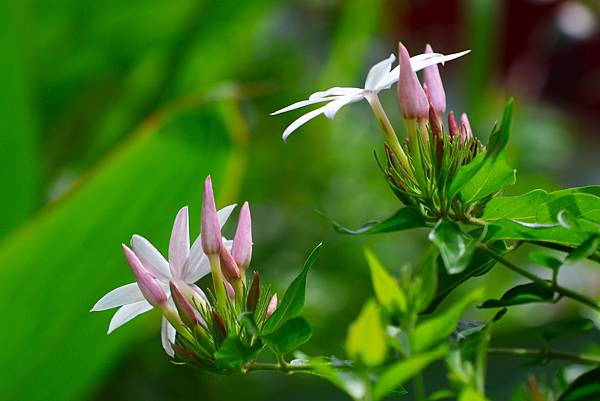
{"x":217,"y":276}
{"x":565,"y":292}
{"x":278,"y":367}
{"x":529,"y":353}
{"x":419,"y":386}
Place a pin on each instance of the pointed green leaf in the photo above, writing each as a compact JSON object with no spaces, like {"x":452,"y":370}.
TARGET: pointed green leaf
{"x":404,"y":219}
{"x":490,"y":178}
{"x":292,"y":334}
{"x":456,"y":247}
{"x":293,"y":300}
{"x":427,"y":274}
{"x":543,"y":259}
{"x":586,"y":249}
{"x":233,"y":354}
{"x":522,"y":294}
{"x":366,"y":341}
{"x":387,"y":290}
{"x":585,"y":388}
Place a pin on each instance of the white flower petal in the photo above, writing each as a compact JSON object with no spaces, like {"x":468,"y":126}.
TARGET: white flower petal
{"x":332,"y":108}
{"x":167,"y":337}
{"x":126,"y":294}
{"x":302,"y":120}
{"x":304,"y":103}
{"x":335,"y":92}
{"x":224,"y":214}
{"x":378,"y":72}
{"x":126,"y":313}
{"x":179,"y":245}
{"x":151,"y":258}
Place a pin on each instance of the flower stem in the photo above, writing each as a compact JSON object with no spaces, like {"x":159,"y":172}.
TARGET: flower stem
{"x":217,"y":276}
{"x":549,"y":354}
{"x":565,"y":292}
{"x":278,"y":367}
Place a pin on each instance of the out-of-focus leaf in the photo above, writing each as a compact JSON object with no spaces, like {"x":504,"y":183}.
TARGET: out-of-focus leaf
{"x":387,"y":290}
{"x":59,"y":264}
{"x":562,"y":328}
{"x":366,"y":342}
{"x":233,"y":354}
{"x":343,"y":378}
{"x":289,"y":336}
{"x":19,"y":166}
{"x":587,"y":248}
{"x":293,"y":300}
{"x":404,"y":219}
{"x":522,"y":294}
{"x":585,"y":388}
{"x":427,"y":273}
{"x":456,"y":247}
{"x":397,"y":374}
{"x":438,"y":327}
{"x":543,"y":259}
{"x":470,"y":394}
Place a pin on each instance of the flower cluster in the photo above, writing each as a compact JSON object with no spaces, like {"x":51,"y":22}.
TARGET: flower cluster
{"x":194,"y":324}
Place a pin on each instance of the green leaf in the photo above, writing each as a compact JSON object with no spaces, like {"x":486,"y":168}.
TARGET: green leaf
{"x":440,"y":326}
{"x":522,"y":294}
{"x":366,"y":340}
{"x":291,"y":335}
{"x":586,"y":249}
{"x":585,"y":388}
{"x":343,"y":378}
{"x":233,"y":354}
{"x":567,"y":220}
{"x":470,"y":394}
{"x":543,"y":259}
{"x":400,"y":372}
{"x":465,"y":174}
{"x":456,"y":247}
{"x":404,"y":219}
{"x":293,"y":300}
{"x":73,"y":249}
{"x":575,"y":326}
{"x":501,"y":134}
{"x":492,"y":176}
{"x":427,"y":274}
{"x":388,"y":292}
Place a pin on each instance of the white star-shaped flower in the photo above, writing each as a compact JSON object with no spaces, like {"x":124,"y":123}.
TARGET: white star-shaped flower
{"x":186,"y":265}
{"x":381,"y":76}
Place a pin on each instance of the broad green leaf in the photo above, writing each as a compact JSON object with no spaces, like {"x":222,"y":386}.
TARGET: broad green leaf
{"x":543,"y":259}
{"x":456,"y":247}
{"x":427,"y":274}
{"x":347,"y":380}
{"x":587,"y":248}
{"x":293,"y":300}
{"x":404,"y":219}
{"x":438,"y":327}
{"x":400,"y":372}
{"x":585,"y":388}
{"x":289,"y":336}
{"x":19,"y":164}
{"x":567,"y":220}
{"x":470,"y":394}
{"x":501,"y":133}
{"x":233,"y":354}
{"x":522,"y":294}
{"x":490,"y":178}
{"x":69,"y":255}
{"x":366,"y":341}
{"x":387,"y":290}
{"x":465,"y":174}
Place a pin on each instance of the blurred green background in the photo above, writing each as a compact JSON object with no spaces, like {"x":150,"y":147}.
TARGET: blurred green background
{"x":112,"y":114}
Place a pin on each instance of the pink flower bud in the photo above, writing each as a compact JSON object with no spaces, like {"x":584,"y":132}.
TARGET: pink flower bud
{"x":189,"y":316}
{"x":272,"y":305}
{"x":452,"y":125}
{"x":242,"y":241}
{"x":435,"y":88}
{"x":228,"y":266}
{"x":466,"y":126}
{"x":211,"y":230}
{"x":435,"y":123}
{"x":147,"y":283}
{"x":411,"y":96}
{"x":230,"y":290}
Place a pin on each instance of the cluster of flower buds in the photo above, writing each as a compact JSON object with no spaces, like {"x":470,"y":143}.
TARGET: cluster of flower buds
{"x":195,"y":324}
{"x":434,"y":152}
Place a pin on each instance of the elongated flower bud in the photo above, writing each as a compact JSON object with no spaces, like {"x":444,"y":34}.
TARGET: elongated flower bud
{"x":220,"y":330}
{"x":242,"y":241}
{"x":435,"y":123}
{"x":411,"y":96}
{"x":253,"y":293}
{"x":466,"y":126}
{"x":230,"y":290}
{"x":272,"y":305}
{"x":453,"y":125}
{"x":228,"y":266}
{"x":211,"y":230}
{"x":435,"y":88}
{"x":187,"y":313}
{"x":147,"y":283}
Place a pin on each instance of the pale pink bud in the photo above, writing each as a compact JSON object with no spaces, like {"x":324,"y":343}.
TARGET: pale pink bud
{"x":452,"y":125}
{"x":466,"y":126}
{"x":187,"y":313}
{"x":435,"y":88}
{"x":272,"y":305}
{"x":211,"y":230}
{"x":147,"y":283}
{"x":242,"y":241}
{"x":411,"y":96}
{"x":228,"y":266}
{"x":230,"y":290}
